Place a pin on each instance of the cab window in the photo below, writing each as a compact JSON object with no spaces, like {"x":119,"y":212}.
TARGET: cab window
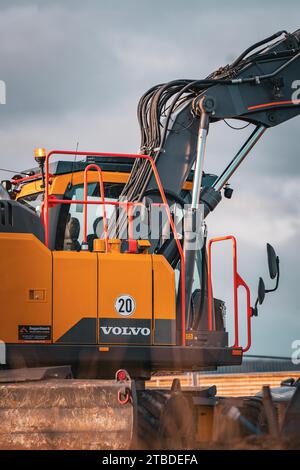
{"x":33,"y":201}
{"x":73,"y":236}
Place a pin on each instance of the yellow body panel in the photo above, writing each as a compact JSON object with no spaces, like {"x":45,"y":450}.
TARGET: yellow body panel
{"x":164,"y":302}
{"x":163,"y":289}
{"x":26,"y":285}
{"x":125,"y":274}
{"x":59,"y":183}
{"x":30,"y":188}
{"x":74,"y":291}
{"x":70,"y":297}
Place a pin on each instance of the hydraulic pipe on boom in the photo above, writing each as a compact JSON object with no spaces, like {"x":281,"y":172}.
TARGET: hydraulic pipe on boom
{"x":195,"y":216}
{"x":239,"y":157}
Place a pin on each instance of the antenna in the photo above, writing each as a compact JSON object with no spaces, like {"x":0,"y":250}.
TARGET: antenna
{"x":15,"y":172}
{"x":73,"y":164}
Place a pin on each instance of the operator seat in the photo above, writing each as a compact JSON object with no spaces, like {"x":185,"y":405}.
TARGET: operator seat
{"x":98,"y":231}
{"x":72,"y":231}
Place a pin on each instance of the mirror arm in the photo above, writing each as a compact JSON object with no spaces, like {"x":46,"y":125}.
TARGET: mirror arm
{"x":277,"y":280}
{"x":255,"y":309}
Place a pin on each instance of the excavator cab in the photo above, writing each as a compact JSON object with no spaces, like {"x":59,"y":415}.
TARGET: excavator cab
{"x":67,"y":181}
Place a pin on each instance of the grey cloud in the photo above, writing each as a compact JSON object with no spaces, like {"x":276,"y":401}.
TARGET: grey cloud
{"x":62,"y":56}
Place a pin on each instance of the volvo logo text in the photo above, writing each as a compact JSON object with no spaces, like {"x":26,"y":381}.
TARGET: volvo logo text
{"x":125,"y":331}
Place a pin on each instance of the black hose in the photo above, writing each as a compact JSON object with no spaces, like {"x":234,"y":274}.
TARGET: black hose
{"x":168,"y":193}
{"x":255,"y":46}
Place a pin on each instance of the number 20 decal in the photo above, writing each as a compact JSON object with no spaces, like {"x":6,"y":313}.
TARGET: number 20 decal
{"x":125,"y":305}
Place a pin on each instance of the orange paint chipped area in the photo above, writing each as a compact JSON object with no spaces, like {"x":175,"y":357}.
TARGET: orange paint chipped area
{"x":237,"y":352}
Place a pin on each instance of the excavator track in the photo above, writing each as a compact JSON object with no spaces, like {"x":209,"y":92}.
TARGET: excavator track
{"x":40,"y":412}
{"x":64,"y":414}
{"x":165,"y":419}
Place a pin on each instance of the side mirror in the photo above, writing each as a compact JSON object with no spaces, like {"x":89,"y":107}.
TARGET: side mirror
{"x":4,"y":195}
{"x":261,"y":291}
{"x":6,"y":185}
{"x":272,"y":261}
{"x":260,"y":297}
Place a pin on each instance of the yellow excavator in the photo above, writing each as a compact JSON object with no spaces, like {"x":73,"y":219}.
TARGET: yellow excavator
{"x":106,"y":270}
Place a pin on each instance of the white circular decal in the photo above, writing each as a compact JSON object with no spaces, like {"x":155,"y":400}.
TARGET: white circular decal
{"x":125,"y":305}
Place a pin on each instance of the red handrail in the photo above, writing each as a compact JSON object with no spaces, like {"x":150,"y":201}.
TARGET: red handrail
{"x":237,"y":282}
{"x":132,"y":244}
{"x":28,"y":178}
{"x":85,"y":196}
{"x":52,"y":200}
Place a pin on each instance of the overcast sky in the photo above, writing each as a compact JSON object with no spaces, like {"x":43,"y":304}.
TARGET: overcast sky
{"x":75,"y":70}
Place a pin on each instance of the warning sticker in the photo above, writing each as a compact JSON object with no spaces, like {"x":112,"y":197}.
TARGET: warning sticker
{"x":34,"y":332}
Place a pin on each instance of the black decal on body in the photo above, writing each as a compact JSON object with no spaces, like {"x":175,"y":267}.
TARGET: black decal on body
{"x":34,"y":332}
{"x":83,"y":332}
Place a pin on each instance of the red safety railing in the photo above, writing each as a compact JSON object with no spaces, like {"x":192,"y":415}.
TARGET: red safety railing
{"x":51,"y":201}
{"x":93,"y":166}
{"x":132,"y":243}
{"x":27,"y":179}
{"x":238,"y":282}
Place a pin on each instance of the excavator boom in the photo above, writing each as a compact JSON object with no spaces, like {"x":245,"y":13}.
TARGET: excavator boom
{"x":260,"y":88}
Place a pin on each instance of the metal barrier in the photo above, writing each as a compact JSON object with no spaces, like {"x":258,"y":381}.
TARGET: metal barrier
{"x":237,"y":282}
{"x":51,"y":201}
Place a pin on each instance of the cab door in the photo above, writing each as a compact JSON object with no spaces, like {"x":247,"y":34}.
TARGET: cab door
{"x":74,"y":297}
{"x":125,"y":306}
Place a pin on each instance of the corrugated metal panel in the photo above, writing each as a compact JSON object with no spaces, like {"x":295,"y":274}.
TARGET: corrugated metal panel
{"x":259,"y":364}
{"x":244,"y":384}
